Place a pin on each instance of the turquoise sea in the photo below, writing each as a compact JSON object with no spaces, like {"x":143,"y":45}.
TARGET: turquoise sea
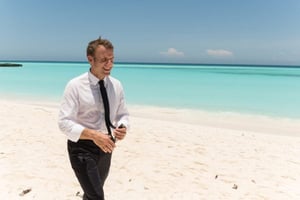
{"x":265,"y":90}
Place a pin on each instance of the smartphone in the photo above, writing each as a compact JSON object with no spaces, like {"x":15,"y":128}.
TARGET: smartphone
{"x":121,"y":126}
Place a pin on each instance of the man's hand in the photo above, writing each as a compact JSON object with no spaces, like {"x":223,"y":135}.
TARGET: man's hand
{"x":120,"y":132}
{"x":104,"y":142}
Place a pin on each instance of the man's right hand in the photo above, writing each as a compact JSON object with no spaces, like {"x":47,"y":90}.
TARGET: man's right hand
{"x":103,"y":141}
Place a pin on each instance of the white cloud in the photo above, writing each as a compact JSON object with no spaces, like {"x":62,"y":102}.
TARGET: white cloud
{"x":172,"y":52}
{"x":219,"y":53}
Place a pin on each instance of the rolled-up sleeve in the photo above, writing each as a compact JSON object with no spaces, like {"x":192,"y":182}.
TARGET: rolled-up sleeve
{"x":68,"y":112}
{"x":122,"y":116}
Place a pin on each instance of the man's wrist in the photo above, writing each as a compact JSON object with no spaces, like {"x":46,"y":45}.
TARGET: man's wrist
{"x":89,"y":134}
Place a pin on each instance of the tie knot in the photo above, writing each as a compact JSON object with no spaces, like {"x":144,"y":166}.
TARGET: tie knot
{"x":101,"y":82}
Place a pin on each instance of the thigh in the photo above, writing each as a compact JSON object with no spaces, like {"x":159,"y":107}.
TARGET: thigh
{"x":103,"y":163}
{"x":85,"y":166}
{"x":87,"y":173}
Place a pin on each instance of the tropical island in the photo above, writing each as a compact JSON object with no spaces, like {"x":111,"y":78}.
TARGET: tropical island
{"x":10,"y":65}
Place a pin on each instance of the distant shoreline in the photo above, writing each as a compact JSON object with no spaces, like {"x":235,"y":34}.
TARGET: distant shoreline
{"x":165,"y":63}
{"x":10,"y":65}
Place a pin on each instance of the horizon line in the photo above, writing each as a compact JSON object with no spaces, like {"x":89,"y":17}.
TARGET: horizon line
{"x":165,"y":63}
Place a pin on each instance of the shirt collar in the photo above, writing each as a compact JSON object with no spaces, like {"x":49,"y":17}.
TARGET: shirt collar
{"x":94,"y":80}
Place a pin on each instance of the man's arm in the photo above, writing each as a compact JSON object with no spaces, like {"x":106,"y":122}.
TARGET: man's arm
{"x":68,"y":112}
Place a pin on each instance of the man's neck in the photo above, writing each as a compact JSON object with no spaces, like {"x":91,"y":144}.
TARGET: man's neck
{"x":98,"y":75}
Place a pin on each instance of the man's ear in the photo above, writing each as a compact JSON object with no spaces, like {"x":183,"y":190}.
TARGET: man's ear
{"x":90,"y":58}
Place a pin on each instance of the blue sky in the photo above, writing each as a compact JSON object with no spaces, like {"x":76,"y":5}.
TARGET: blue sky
{"x":190,"y":31}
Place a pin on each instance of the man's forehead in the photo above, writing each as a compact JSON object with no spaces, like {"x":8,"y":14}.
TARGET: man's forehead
{"x":102,"y":49}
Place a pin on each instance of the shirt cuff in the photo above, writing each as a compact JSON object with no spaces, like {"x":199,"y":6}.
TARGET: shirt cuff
{"x":125,"y":123}
{"x":75,"y":133}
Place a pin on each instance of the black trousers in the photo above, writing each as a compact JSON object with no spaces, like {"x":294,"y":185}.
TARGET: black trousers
{"x":91,"y":166}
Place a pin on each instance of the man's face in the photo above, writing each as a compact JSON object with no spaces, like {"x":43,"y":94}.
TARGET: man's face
{"x":102,"y":62}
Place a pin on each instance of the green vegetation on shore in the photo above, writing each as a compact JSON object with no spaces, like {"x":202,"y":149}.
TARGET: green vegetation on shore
{"x":10,"y":65}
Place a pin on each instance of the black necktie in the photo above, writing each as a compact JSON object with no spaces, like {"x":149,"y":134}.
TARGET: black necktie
{"x":106,"y":108}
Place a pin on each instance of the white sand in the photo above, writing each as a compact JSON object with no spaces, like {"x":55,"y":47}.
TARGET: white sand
{"x":168,"y":154}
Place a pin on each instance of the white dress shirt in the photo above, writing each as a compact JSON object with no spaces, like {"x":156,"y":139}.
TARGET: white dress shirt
{"x":82,"y":105}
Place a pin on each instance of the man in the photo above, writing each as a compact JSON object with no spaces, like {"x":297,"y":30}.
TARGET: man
{"x":91,"y":127}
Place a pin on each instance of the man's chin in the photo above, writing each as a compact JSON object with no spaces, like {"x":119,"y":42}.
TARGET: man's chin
{"x":107,"y":73}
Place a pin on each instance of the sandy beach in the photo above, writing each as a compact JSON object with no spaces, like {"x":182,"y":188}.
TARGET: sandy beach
{"x":167,"y":154}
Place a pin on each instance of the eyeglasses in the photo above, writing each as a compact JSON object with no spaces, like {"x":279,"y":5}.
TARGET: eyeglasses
{"x":104,"y":60}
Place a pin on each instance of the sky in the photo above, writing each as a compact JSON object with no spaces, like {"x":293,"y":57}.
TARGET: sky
{"x":190,"y":31}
